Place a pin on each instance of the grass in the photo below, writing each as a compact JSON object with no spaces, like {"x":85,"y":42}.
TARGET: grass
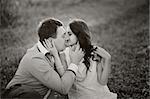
{"x":125,"y":37}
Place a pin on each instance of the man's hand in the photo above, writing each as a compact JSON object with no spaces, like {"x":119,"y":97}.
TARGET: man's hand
{"x":76,"y":54}
{"x":50,"y":46}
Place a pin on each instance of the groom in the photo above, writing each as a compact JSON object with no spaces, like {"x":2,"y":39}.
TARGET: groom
{"x":35,"y":74}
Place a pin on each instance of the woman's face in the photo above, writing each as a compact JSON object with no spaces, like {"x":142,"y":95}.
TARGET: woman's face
{"x":72,"y":37}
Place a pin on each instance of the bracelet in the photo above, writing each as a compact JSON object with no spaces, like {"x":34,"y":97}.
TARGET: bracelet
{"x":73,"y":67}
{"x":71,"y":71}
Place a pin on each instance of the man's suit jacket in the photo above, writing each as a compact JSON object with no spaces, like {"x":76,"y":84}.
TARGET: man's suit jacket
{"x":36,"y":71}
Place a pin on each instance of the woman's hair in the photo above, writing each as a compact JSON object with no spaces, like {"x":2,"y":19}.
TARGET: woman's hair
{"x":81,"y":30}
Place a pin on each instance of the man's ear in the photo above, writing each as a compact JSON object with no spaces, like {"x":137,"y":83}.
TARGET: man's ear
{"x":50,"y":41}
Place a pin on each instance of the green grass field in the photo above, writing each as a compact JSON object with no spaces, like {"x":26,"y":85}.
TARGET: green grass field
{"x":121,"y":30}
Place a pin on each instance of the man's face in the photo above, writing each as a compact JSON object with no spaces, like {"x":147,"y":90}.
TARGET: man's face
{"x":59,"y":41}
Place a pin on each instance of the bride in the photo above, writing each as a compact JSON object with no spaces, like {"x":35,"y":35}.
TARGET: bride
{"x":92,"y":76}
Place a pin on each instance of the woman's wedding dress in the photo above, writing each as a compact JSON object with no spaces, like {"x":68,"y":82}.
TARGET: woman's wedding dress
{"x":86,"y":86}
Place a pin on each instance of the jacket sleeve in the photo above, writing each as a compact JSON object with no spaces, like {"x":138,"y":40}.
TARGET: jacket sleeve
{"x":42,"y":71}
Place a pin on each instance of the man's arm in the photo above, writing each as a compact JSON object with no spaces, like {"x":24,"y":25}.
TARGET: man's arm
{"x":42,"y":71}
{"x":53,"y":80}
{"x":61,"y":64}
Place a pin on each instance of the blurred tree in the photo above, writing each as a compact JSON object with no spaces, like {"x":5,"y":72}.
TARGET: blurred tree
{"x":8,"y":12}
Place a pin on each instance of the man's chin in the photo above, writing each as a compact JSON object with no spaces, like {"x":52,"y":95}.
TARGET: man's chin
{"x":63,"y":49}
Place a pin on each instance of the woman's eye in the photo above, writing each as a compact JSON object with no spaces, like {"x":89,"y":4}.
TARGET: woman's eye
{"x":69,"y":34}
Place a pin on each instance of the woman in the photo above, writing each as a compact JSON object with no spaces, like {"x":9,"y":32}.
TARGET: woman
{"x":92,"y":76}
{"x":94,"y":69}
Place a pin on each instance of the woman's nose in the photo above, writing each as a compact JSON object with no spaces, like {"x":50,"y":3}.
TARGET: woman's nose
{"x":66,"y":37}
{"x":67,"y":40}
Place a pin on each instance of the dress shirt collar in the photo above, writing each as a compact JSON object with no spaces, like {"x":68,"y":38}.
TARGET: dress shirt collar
{"x":42,"y":48}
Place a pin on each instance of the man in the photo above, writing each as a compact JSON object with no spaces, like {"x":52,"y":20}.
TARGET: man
{"x":35,"y":74}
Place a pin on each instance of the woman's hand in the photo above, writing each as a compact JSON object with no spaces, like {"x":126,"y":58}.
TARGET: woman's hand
{"x":76,"y":54}
{"x":50,"y":46}
{"x":103,"y":53}
{"x":73,"y":47}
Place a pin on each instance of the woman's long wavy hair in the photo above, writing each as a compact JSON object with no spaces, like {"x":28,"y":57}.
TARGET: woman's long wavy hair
{"x":81,"y":30}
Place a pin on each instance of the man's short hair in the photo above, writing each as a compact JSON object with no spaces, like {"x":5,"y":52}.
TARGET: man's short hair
{"x":48,"y":28}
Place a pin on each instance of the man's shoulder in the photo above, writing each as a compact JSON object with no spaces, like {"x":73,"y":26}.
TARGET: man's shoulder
{"x":32,"y":60}
{"x":36,"y":56}
{"x":33,"y":54}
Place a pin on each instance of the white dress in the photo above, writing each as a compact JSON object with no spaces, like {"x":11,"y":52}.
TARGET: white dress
{"x":86,"y":86}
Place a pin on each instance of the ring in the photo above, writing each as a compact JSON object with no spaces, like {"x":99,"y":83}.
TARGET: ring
{"x":51,"y":46}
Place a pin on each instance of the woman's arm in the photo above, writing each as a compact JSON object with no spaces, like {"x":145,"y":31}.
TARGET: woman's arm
{"x":104,"y":66}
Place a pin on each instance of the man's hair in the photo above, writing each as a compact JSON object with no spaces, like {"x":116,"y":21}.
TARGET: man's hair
{"x":48,"y":28}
